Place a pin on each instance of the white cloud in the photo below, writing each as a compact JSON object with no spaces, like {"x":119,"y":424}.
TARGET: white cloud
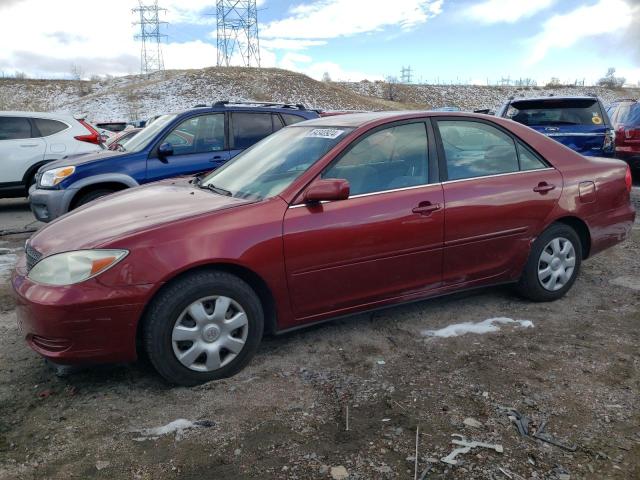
{"x":338,"y":18}
{"x":291,"y":44}
{"x":611,"y":17}
{"x":507,"y":11}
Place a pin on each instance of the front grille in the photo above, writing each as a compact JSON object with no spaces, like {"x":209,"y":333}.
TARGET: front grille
{"x":33,"y":257}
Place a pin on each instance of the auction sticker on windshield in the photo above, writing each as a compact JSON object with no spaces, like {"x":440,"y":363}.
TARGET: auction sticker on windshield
{"x":330,"y":133}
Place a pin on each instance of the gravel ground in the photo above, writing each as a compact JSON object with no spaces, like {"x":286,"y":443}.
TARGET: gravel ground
{"x":285,"y":416}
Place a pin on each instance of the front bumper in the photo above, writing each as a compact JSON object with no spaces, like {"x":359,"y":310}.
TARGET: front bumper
{"x":86,"y":323}
{"x":47,"y":205}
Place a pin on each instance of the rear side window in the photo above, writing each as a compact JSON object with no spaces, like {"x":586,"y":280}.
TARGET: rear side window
{"x":250,"y":128}
{"x":14,"y":128}
{"x":528,"y":160}
{"x":474,"y":149}
{"x":556,"y":112}
{"x":48,"y":127}
{"x":277,"y":122}
{"x":291,"y":119}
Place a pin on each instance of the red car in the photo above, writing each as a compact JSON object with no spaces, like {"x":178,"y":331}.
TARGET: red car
{"x":322,"y":219}
{"x":625,"y":117}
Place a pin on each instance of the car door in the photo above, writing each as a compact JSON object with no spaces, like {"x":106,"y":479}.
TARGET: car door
{"x":384,"y":241}
{"x":248,"y":128}
{"x":198,"y":146}
{"x":498,"y":193}
{"x":19,"y":149}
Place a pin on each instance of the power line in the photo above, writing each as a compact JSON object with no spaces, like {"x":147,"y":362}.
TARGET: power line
{"x":237,"y":33}
{"x":151,"y":39}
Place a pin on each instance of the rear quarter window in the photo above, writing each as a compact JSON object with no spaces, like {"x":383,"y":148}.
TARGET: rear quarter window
{"x":290,"y":119}
{"x":557,"y":112}
{"x":48,"y":127}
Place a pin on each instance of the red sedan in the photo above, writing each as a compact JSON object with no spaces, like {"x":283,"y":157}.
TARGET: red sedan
{"x":322,"y":219}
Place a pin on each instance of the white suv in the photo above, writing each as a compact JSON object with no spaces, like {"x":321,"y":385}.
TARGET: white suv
{"x":28,"y":140}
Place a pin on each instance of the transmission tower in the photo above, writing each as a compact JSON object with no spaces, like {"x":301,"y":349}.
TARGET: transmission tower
{"x":150,"y":36}
{"x":238,"y":32}
{"x":406,"y":75}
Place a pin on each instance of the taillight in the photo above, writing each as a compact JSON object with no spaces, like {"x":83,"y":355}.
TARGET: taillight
{"x":632,"y":133}
{"x":627,"y":179}
{"x":92,"y":137}
{"x":609,"y":140}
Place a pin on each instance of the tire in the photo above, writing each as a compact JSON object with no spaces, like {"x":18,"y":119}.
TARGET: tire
{"x":536,"y":282}
{"x":169,"y":321}
{"x":92,"y":195}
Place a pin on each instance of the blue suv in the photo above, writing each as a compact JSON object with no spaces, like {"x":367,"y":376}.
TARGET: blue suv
{"x":580,"y":123}
{"x":186,"y":143}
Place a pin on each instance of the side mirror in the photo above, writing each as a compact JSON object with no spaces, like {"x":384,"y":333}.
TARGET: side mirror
{"x":327,"y":190}
{"x":165,"y":150}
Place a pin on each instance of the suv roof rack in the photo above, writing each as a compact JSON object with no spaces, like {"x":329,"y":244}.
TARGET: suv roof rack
{"x":224,"y":103}
{"x":617,"y":100}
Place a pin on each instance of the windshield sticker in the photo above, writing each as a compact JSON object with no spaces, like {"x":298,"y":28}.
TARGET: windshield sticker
{"x":596,"y":119}
{"x":329,"y":133}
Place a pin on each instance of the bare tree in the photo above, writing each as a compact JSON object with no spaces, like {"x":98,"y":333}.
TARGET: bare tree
{"x":326,"y":77}
{"x":610,"y":80}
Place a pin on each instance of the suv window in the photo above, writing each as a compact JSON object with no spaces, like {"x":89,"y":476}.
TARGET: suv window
{"x":14,"y":128}
{"x":628,"y":114}
{"x":48,"y":127}
{"x":388,"y":159}
{"x":556,"y":112}
{"x":201,"y":134}
{"x":475,"y":149}
{"x":290,"y":119}
{"x":277,"y":122}
{"x":250,"y":128}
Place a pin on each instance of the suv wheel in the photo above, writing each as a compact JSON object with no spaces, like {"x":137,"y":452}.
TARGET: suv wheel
{"x":92,"y":195}
{"x":203,"y":327}
{"x":553,"y":265}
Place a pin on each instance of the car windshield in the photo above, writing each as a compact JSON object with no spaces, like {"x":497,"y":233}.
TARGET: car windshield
{"x":146,"y":135}
{"x":629,"y":114}
{"x":271,"y":165}
{"x":556,"y":112}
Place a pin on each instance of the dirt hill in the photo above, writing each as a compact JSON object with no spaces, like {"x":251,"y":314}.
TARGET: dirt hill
{"x":140,"y":96}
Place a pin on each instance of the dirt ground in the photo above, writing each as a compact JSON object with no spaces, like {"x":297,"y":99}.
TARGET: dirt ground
{"x":285,"y":416}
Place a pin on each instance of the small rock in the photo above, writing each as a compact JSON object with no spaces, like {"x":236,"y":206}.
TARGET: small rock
{"x":323,"y":469}
{"x":101,"y":464}
{"x":472,"y":422}
{"x":237,"y":451}
{"x":339,"y":473}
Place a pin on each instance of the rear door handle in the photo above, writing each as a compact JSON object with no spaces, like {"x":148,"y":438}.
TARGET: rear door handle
{"x":544,"y":187}
{"x":425,"y":208}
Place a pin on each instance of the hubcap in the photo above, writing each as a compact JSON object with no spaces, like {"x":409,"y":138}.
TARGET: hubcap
{"x":557,"y":264}
{"x":210,"y":333}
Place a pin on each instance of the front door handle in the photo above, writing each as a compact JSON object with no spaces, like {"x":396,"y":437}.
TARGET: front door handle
{"x":425,"y":208}
{"x":215,"y":159}
{"x":544,"y":187}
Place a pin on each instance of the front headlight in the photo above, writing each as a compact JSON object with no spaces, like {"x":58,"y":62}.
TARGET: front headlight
{"x":52,"y":177}
{"x":74,"y":267}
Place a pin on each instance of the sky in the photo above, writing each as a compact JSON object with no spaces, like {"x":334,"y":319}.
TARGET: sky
{"x":443,"y":41}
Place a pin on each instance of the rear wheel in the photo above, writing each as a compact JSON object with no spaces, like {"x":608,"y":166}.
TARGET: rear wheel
{"x":93,"y":195}
{"x":553,"y":264}
{"x":203,"y":327}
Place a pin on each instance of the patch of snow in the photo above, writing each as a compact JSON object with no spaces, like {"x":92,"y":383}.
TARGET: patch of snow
{"x":8,"y":260}
{"x":628,"y":282}
{"x":486,"y":326}
{"x":177,"y":426}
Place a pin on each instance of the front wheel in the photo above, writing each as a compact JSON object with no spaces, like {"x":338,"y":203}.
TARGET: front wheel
{"x":553,"y":264}
{"x":203,"y":327}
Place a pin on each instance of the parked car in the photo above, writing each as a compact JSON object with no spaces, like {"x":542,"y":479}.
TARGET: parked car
{"x":580,"y":123}
{"x":194,"y":141}
{"x":625,"y":117}
{"x":322,"y":219}
{"x":119,"y":140}
{"x":29,"y":140}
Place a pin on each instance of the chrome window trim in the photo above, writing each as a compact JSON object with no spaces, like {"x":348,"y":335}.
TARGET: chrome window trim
{"x":429,"y":184}
{"x":497,"y":175}
{"x":579,"y":134}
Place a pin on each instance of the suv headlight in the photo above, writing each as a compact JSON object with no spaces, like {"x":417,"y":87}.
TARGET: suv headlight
{"x":52,"y":177}
{"x":74,"y":267}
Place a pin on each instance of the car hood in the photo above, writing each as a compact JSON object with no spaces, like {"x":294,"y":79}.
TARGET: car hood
{"x":81,"y":159}
{"x":133,"y":210}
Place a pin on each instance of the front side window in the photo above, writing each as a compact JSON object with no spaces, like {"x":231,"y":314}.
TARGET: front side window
{"x":474,"y":149}
{"x":149,"y":134}
{"x":14,"y":128}
{"x":250,"y":128}
{"x":388,"y":159}
{"x":270,"y":166}
{"x":201,"y":134}
{"x":48,"y":127}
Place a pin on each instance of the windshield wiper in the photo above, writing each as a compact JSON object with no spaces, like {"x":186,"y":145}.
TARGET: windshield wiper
{"x":218,"y":190}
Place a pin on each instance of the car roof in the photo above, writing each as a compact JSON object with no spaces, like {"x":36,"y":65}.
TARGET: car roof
{"x":541,"y":99}
{"x":51,"y":115}
{"x":356,"y":120}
